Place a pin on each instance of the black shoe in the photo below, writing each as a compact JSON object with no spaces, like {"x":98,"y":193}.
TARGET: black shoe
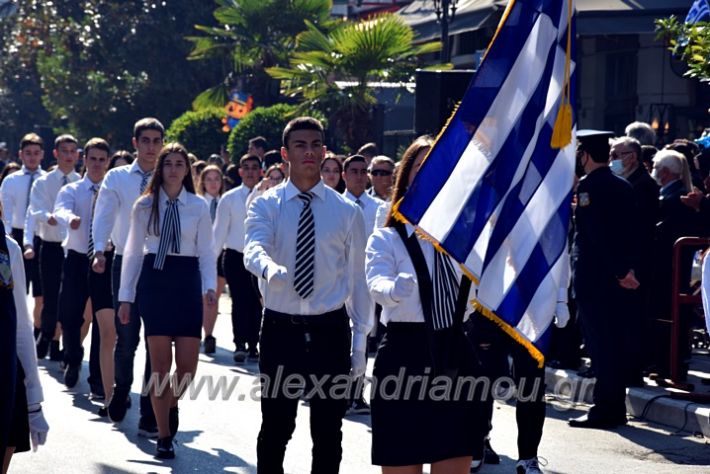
{"x":103,"y":412}
{"x":490,"y":456}
{"x":253,"y":355}
{"x":359,"y":407}
{"x":42,"y":347}
{"x":164,"y":448}
{"x":147,"y":428}
{"x":174,"y":420}
{"x":210,"y":345}
{"x":71,"y":375}
{"x":595,"y":423}
{"x":120,"y":401}
{"x":55,"y":353}
{"x":240,"y":354}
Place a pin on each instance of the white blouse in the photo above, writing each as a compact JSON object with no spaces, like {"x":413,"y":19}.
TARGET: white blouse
{"x":385,"y":258}
{"x":195,"y":240}
{"x":26,"y":351}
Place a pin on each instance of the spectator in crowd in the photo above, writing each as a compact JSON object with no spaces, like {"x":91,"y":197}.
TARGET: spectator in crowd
{"x":641,"y":131}
{"x":381,"y":172}
{"x":258,"y":146}
{"x":647,"y":154}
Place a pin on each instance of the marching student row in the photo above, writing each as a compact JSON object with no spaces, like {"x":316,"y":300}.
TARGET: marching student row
{"x":140,"y":241}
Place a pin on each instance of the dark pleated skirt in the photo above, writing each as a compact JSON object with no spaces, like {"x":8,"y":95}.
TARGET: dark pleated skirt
{"x":170,"y":300}
{"x":414,"y":426}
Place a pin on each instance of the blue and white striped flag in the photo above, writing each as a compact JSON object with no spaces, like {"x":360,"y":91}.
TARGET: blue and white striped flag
{"x":494,"y":191}
{"x":700,"y":11}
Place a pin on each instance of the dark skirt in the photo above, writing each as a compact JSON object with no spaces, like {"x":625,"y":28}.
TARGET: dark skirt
{"x":413,"y":425}
{"x":100,"y":288}
{"x":19,"y":436}
{"x":170,"y":300}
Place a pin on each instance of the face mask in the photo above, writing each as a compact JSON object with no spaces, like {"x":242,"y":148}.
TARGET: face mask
{"x":654,"y":175}
{"x":617,"y":167}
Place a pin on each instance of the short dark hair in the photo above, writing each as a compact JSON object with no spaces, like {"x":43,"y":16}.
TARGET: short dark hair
{"x":353,"y":159}
{"x":31,"y":139}
{"x":120,"y":154}
{"x":302,"y":123}
{"x":369,"y":149}
{"x":249,"y":157}
{"x":148,"y":123}
{"x":272,"y":157}
{"x":259,"y":142}
{"x":99,"y":144}
{"x":65,"y":138}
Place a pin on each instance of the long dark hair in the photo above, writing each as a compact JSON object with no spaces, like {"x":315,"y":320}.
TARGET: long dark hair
{"x":405,"y":167}
{"x":156,"y":182}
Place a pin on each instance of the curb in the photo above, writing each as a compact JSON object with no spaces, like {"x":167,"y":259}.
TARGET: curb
{"x":648,"y":403}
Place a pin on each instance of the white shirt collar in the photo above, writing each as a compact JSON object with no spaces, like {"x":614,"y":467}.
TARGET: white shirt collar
{"x":292,"y":191}
{"x":181,"y":197}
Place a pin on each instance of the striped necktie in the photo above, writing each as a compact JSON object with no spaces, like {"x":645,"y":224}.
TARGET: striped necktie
{"x":94,"y":192}
{"x":169,"y":234}
{"x":33,"y":176}
{"x":65,"y":180}
{"x":305,"y":248}
{"x":144,"y":179}
{"x":446,"y":287}
{"x":213,"y":209}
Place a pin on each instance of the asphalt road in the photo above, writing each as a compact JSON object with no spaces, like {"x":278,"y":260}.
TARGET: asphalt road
{"x":219,"y":435}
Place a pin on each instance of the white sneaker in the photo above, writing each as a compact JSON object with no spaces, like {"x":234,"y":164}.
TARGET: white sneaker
{"x":530,"y":466}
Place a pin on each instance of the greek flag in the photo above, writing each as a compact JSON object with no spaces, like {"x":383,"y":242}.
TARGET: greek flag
{"x":494,"y":192}
{"x":700,"y":11}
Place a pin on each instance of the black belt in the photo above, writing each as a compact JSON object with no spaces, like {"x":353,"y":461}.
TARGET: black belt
{"x":48,"y":242}
{"x":332,"y":318}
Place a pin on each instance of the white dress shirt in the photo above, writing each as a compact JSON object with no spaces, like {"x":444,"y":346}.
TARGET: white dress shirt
{"x":14,"y":193}
{"x":119,"y":190}
{"x":381,"y":215}
{"x":26,"y":349}
{"x":75,"y":200}
{"x":387,"y":257}
{"x":369,"y":208}
{"x":229,"y":224}
{"x":44,"y":194}
{"x":271,"y":227}
{"x":195,"y":240}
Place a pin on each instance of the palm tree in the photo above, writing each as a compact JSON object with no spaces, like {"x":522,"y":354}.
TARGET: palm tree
{"x":331,"y":70}
{"x":256,"y":34}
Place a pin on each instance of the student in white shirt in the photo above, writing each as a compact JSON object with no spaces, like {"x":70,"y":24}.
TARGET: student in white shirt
{"x":411,"y":429}
{"x":119,"y":191}
{"x":229,"y":236}
{"x":168,"y":265}
{"x":51,"y":255}
{"x":210,"y":185}
{"x":355,"y":178}
{"x":26,"y":423}
{"x":73,"y":209}
{"x":15,"y":194}
{"x":307,"y":242}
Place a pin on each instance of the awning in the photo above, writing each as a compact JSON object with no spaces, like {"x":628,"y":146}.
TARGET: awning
{"x":595,"y":17}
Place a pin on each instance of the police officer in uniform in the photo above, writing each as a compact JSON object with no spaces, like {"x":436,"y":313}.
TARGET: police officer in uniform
{"x":603,"y":275}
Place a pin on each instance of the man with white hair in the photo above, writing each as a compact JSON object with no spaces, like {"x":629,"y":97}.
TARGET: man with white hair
{"x":675,"y":220}
{"x":642,"y":132}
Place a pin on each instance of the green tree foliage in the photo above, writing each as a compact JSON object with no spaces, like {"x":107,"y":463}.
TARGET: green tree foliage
{"x":331,"y":70}
{"x":102,"y":64}
{"x":267,"y":122}
{"x":200,"y":131}
{"x":690,"y":42}
{"x":252,"y":36}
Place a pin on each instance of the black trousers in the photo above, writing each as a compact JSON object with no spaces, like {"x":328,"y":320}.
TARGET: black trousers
{"x":604,"y":321}
{"x":51,"y":258}
{"x":246,"y":308}
{"x":31,"y":265}
{"x":127,"y":339}
{"x":303,"y":348}
{"x":73,"y":295}
{"x":493,"y":348}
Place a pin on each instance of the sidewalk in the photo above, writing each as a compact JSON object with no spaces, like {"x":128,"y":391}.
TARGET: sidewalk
{"x":651,"y":403}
